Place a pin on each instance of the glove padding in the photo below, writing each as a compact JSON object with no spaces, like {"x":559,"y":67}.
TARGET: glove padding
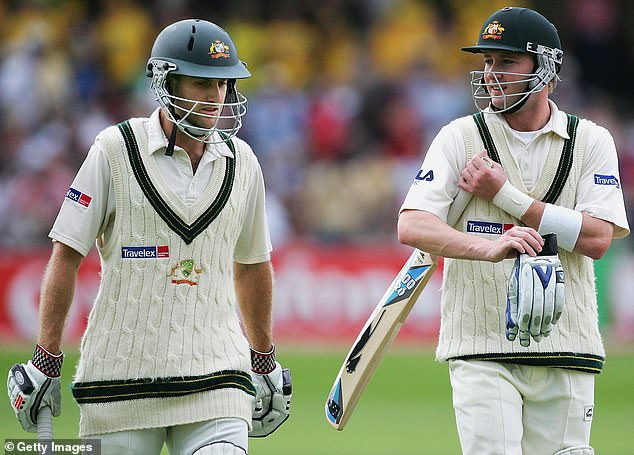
{"x":273,"y":392}
{"x":536,"y":294}
{"x":30,"y":390}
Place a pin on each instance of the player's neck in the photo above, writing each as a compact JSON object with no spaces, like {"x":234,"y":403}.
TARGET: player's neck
{"x":533,"y":116}
{"x":192,"y":147}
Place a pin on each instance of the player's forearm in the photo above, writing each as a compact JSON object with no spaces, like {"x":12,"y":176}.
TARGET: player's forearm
{"x":428,"y":233}
{"x":595,"y":235}
{"x":254,"y":289}
{"x":58,"y":286}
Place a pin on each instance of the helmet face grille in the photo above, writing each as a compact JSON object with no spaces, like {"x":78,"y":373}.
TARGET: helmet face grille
{"x":228,"y":121}
{"x":481,"y":90}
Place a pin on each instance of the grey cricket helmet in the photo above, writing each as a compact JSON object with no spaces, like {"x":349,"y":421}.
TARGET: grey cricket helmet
{"x":198,"y":48}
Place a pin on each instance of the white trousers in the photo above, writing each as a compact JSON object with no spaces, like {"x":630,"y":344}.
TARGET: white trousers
{"x":217,"y":437}
{"x":507,"y":409}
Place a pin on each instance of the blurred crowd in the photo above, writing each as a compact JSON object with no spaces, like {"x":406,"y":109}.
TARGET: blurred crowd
{"x":345,"y":97}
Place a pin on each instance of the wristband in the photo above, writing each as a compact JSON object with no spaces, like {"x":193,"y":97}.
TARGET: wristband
{"x":47,"y":363}
{"x":263,"y":362}
{"x":564,"y":222}
{"x":512,"y":200}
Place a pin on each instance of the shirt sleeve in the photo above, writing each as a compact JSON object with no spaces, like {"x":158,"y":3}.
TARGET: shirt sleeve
{"x":83,"y":215}
{"x":435,"y":185}
{"x":254,"y":243}
{"x":599,"y":191}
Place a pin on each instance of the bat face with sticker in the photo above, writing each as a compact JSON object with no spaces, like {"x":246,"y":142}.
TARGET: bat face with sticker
{"x":381,"y":328}
{"x":376,"y":337}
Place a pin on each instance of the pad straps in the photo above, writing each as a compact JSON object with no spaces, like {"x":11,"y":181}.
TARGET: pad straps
{"x":565,"y":162}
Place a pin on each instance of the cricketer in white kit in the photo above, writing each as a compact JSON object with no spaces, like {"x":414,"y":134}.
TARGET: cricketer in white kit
{"x":176,"y":205}
{"x":519,"y":324}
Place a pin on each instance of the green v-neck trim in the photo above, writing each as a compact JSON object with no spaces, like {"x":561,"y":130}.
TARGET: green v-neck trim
{"x":565,"y":161}
{"x":188,"y":232}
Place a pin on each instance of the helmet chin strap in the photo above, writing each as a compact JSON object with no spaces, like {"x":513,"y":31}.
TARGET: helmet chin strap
{"x":191,"y":129}
{"x":169,"y":151}
{"x":516,"y":107}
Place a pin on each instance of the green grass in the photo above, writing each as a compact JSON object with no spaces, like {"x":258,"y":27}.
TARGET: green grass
{"x":406,"y":408}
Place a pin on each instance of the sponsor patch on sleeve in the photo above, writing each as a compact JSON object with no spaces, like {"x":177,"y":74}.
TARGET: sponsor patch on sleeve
{"x":606,"y":180}
{"x":78,"y":197}
{"x":424,"y":176}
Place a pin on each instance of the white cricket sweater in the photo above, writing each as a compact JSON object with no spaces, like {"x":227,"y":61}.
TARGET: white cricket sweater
{"x":166,"y":309}
{"x":473,"y":300}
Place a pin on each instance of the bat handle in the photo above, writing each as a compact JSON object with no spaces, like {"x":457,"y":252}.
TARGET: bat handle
{"x":45,"y":423}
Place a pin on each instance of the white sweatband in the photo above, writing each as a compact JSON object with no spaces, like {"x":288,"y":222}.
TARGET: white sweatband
{"x":512,"y":200}
{"x":564,"y":222}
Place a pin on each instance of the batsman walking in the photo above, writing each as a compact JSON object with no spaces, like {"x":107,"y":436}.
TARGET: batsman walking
{"x":175,"y":203}
{"x":519,"y":323}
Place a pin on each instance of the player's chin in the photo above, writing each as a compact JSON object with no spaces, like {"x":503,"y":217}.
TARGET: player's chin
{"x":497,"y":103}
{"x":207,"y":120}
{"x":503,"y":102}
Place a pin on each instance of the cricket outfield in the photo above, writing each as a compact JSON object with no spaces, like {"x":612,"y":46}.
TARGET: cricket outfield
{"x":406,"y":409}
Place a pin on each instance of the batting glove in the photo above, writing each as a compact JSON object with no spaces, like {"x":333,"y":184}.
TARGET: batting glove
{"x":273,"y":392}
{"x":536,"y":294}
{"x":34,"y":385}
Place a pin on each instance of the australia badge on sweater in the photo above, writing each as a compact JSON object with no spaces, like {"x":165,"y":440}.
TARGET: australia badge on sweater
{"x":185,"y":272}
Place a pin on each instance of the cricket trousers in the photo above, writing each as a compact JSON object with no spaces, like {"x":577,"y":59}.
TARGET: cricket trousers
{"x":213,"y":437}
{"x":509,"y":409}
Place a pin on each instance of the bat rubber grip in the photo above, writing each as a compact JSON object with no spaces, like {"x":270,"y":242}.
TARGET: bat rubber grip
{"x":45,"y":423}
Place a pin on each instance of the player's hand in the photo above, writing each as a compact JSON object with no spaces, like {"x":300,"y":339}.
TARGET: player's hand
{"x":518,"y":239}
{"x":536,"y":294}
{"x":272,"y":403}
{"x":273,"y":391}
{"x":34,"y":385}
{"x":482,"y":177}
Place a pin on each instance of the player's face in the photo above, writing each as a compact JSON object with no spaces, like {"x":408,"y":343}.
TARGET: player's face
{"x":507,"y":73}
{"x":204,"y":97}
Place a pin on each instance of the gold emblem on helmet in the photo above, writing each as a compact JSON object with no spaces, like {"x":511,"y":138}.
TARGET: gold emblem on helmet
{"x":219,"y":49}
{"x":493,"y":31}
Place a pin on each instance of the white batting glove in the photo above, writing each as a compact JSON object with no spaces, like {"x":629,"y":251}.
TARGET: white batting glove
{"x":273,"y":392}
{"x":34,"y":385}
{"x":536,"y":294}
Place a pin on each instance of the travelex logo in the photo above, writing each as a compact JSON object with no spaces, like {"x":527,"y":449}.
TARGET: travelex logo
{"x":78,"y":196}
{"x":608,"y":180}
{"x":485,"y":227}
{"x":145,"y":252}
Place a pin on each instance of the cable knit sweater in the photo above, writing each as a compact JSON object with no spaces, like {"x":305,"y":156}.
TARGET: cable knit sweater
{"x":164,"y":345}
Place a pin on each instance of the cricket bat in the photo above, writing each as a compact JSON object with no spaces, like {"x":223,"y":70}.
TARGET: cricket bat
{"x":381,"y":328}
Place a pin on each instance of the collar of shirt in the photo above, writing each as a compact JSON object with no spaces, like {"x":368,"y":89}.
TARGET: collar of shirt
{"x":157,"y":141}
{"x":557,"y":123}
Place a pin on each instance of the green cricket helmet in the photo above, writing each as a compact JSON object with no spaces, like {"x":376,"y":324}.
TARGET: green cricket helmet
{"x":517,"y":30}
{"x":198,"y":48}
